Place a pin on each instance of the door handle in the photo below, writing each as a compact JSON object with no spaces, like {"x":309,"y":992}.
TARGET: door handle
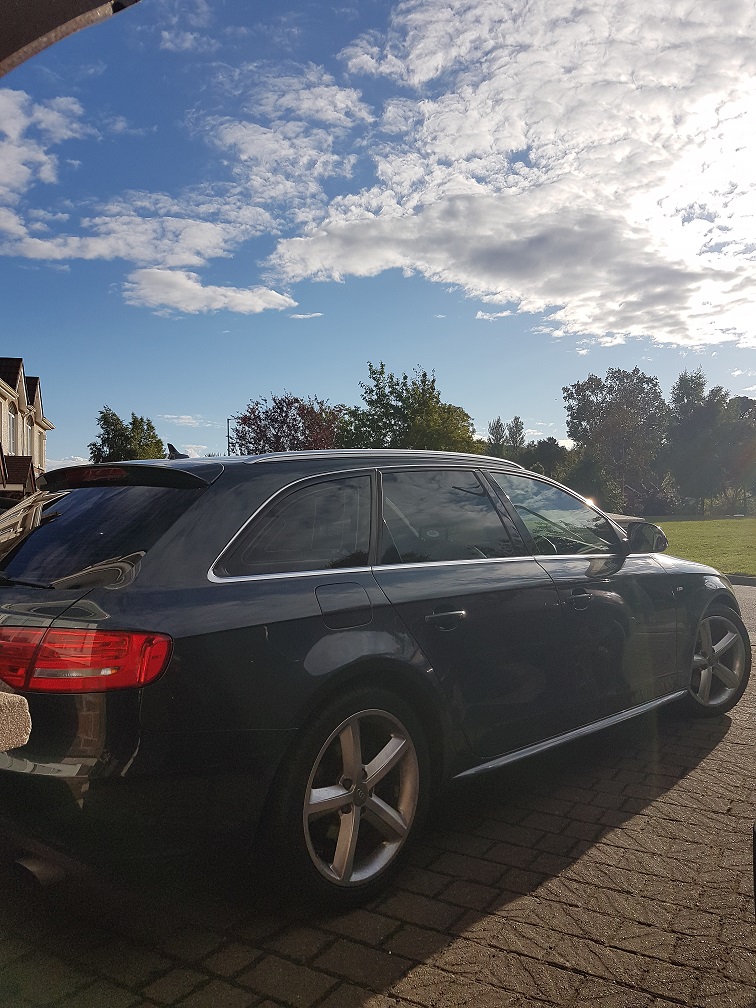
{"x":446,"y":620}
{"x":580,"y":599}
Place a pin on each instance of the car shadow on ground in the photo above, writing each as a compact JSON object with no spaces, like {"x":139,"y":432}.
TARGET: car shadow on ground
{"x":541,"y":824}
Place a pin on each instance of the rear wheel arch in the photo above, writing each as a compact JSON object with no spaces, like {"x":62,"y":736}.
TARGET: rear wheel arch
{"x":411,"y":686}
{"x":326,"y":800}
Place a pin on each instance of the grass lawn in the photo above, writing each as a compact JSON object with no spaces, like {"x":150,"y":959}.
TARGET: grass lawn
{"x":728,"y":544}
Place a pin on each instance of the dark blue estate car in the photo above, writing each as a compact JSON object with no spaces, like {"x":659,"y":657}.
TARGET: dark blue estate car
{"x":313,"y":642}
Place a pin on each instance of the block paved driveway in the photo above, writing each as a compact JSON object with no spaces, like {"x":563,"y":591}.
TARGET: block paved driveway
{"x":615,"y":873}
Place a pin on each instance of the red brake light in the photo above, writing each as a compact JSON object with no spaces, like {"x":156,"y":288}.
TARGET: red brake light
{"x":80,"y":661}
{"x":18,"y":645}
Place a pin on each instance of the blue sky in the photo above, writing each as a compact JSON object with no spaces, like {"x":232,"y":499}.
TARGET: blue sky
{"x":203,"y":202}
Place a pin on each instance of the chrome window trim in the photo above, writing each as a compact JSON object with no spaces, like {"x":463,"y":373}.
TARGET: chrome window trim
{"x":235,"y":578}
{"x":216,"y":580}
{"x":212,"y":576}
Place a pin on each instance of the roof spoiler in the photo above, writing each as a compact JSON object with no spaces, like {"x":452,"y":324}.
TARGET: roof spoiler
{"x":130,"y":474}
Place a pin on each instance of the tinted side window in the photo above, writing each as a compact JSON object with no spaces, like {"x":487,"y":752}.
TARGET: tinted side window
{"x":316,"y":527}
{"x":439,"y":515}
{"x":559,"y":523}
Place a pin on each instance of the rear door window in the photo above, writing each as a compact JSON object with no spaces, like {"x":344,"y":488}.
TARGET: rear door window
{"x":53,"y":535}
{"x":319,"y":526}
{"x":442,"y":514}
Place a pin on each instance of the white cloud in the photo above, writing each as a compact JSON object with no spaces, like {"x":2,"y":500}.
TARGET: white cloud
{"x":309,"y":94}
{"x":186,"y":420}
{"x":184,"y":41}
{"x":283,"y":163}
{"x":590,"y":165}
{"x":491,"y":316}
{"x":188,"y":13}
{"x":177,"y":290}
{"x":122,"y":127}
{"x":593,"y":166}
{"x":195,"y":450}
{"x":611,"y":341}
{"x":316,"y":314}
{"x":27,"y":129}
{"x":141,"y":240}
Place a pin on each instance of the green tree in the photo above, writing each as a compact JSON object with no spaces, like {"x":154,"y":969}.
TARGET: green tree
{"x":740,"y":451}
{"x":497,"y":434}
{"x":585,"y":473}
{"x":547,"y":454}
{"x":119,"y":441}
{"x":285,"y":423}
{"x":698,"y":436}
{"x":619,"y":422}
{"x":514,"y":440}
{"x":406,"y":412}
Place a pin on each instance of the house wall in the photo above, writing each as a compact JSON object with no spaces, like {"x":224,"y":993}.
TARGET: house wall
{"x":20,"y":445}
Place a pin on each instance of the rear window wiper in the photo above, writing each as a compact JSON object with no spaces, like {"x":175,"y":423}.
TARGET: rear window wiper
{"x":5,"y":580}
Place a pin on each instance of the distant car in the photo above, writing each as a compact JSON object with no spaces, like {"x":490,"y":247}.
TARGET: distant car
{"x":309,"y":644}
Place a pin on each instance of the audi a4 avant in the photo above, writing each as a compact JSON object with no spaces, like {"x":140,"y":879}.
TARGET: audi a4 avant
{"x":305,"y":646}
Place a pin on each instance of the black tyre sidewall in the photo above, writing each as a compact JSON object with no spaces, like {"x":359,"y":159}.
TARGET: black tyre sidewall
{"x":285,"y":826}
{"x":693,"y":706}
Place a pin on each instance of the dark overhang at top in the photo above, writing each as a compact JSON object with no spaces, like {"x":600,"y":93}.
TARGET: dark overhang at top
{"x":29,"y":26}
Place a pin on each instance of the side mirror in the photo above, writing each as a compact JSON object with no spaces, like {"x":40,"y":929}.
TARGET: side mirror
{"x":645,"y":537}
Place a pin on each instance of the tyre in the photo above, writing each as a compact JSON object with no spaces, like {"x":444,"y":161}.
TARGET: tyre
{"x":721,"y":663}
{"x":352,"y":797}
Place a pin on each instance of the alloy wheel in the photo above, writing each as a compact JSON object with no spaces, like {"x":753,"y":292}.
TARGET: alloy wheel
{"x":719,"y":661}
{"x":361,"y":798}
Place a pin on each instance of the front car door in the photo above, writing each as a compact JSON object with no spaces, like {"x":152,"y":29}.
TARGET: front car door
{"x":618,"y":617}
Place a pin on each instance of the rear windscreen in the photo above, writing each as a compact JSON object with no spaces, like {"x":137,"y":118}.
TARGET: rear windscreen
{"x":55,"y":535}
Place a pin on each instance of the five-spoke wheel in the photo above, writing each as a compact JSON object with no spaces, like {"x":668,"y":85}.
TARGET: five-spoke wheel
{"x":721,"y":662}
{"x":353,"y":795}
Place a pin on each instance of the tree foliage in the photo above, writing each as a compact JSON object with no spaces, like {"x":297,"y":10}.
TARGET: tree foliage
{"x":285,"y":423}
{"x":697,"y":436}
{"x":119,"y":441}
{"x":546,"y":456}
{"x":406,"y":412}
{"x":620,"y":422}
{"x":497,"y":434}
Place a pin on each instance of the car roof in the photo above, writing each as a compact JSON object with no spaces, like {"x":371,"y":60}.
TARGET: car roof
{"x":373,"y":456}
{"x":206,"y":470}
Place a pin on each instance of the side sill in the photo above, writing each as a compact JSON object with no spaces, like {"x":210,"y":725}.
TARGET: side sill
{"x":570,"y":736}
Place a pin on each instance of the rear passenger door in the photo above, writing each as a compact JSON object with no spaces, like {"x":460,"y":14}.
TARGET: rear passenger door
{"x":452,"y":565}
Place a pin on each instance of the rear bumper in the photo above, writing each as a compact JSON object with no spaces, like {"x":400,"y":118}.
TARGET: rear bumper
{"x":176,"y":788}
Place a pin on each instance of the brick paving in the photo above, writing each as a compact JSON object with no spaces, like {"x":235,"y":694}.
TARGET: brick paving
{"x":614,"y":873}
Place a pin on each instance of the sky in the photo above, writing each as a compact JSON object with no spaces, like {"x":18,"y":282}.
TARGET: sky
{"x":203,"y":202}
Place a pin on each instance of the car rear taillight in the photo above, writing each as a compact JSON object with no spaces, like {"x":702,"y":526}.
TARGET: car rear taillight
{"x":80,"y":661}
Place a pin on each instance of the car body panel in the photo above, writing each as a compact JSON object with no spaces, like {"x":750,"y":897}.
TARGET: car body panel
{"x":254,"y":657}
